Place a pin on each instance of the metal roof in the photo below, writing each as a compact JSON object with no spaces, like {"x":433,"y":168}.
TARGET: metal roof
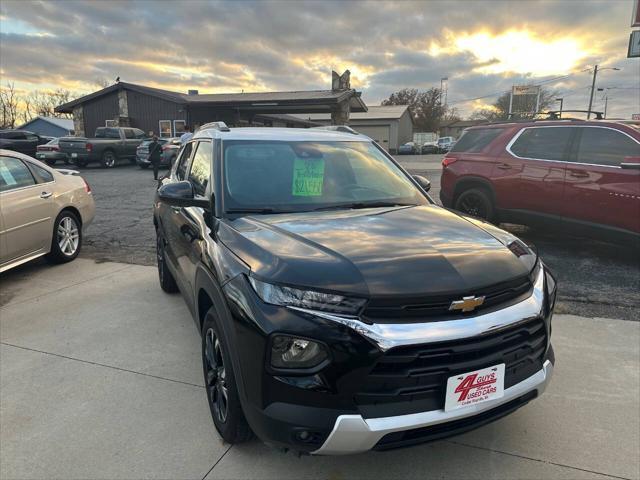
{"x":65,"y":123}
{"x":258,"y":100}
{"x":376,"y":112}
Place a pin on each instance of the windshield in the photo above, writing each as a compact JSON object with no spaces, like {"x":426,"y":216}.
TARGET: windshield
{"x":273,"y":176}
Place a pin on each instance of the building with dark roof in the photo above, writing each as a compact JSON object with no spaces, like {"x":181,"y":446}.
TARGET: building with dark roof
{"x":167,"y":112}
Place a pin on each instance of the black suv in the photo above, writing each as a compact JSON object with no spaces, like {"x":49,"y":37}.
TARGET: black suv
{"x":340,"y":309}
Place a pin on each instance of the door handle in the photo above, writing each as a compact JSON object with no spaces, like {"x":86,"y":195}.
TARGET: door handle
{"x":579,"y":174}
{"x":504,"y":166}
{"x":46,"y":194}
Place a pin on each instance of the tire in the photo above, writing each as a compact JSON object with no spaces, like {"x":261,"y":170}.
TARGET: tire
{"x":81,"y":163}
{"x":109,"y":159}
{"x":143,"y":166}
{"x":166,"y":278}
{"x":66,"y":241}
{"x":476,"y":202}
{"x":220,"y":384}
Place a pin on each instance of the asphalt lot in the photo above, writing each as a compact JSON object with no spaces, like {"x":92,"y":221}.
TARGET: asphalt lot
{"x":596,"y":279}
{"x":101,"y":378}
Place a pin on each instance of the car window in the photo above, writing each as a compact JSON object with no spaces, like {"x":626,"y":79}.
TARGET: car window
{"x":32,"y":137}
{"x":107,"y":132}
{"x":183,"y":161}
{"x":201,"y":168}
{"x":13,"y":135}
{"x":137,"y":133}
{"x":474,"y":141}
{"x":43,"y":175}
{"x":605,"y":146}
{"x":546,"y":143}
{"x":14,"y":174}
{"x":128,"y":133}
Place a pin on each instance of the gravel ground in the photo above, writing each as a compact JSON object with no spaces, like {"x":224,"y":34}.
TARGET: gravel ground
{"x":596,"y":279}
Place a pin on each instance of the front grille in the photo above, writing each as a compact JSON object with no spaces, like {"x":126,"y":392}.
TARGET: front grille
{"x":498,"y":295}
{"x":413,"y":379}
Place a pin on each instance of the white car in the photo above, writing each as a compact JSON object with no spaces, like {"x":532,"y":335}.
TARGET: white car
{"x":42,"y":211}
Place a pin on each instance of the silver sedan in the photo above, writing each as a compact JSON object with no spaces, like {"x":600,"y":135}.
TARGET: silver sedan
{"x":42,"y":211}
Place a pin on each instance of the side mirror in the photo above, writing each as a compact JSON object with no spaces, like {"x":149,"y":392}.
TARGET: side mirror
{"x":180,"y":194}
{"x":423,"y":182}
{"x":631,"y":162}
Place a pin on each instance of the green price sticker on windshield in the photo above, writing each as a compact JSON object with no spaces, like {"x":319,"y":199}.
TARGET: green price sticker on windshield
{"x":308,"y":177}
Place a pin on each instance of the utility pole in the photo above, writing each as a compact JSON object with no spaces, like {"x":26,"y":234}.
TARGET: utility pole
{"x":561,"y":100}
{"x":593,"y":87}
{"x":606,"y":103}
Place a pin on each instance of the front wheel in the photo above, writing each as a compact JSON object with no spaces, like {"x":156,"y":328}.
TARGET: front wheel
{"x":144,"y":166}
{"x":220,"y":384}
{"x":108,"y":159}
{"x":475,"y":202}
{"x":67,"y":238}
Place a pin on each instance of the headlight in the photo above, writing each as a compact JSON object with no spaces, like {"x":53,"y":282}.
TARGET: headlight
{"x":293,"y":297}
{"x":551,"y":288}
{"x":292,"y":352}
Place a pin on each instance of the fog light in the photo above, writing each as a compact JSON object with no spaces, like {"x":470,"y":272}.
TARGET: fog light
{"x":292,"y":352}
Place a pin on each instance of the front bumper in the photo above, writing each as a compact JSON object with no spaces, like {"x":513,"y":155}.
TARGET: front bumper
{"x":354,"y":434}
{"x":324,"y":406}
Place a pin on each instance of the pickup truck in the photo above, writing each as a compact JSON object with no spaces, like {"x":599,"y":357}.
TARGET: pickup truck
{"x":109,"y":145}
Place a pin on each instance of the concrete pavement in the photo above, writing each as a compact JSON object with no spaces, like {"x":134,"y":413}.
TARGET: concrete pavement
{"x":100,"y":377}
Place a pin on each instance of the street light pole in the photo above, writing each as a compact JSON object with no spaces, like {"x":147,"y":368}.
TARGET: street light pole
{"x":561,"y":100}
{"x":593,"y":86}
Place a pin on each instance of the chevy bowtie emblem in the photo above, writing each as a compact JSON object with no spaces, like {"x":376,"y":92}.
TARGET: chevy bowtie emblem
{"x":467,"y":304}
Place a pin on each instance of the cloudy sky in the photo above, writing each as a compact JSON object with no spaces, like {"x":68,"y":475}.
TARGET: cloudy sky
{"x":483,"y":47}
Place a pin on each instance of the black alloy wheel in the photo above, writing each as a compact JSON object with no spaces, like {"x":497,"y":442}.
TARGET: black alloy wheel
{"x":475,"y":202}
{"x":215,"y":377}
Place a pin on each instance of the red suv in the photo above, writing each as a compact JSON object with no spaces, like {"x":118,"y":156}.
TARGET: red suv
{"x":582,"y":173}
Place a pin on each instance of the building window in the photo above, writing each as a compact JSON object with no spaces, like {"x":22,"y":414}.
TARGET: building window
{"x":165,"y":128}
{"x":111,"y":123}
{"x":178,"y":127}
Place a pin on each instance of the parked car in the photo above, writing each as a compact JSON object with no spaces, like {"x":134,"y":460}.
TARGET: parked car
{"x":109,"y":145}
{"x":340,"y":308}
{"x":429,"y":148}
{"x":44,"y":211}
{"x":576,"y":174}
{"x":50,"y":153}
{"x":408,"y":148}
{"x":21,"y":141}
{"x":170,"y":147}
{"x":445,"y":144}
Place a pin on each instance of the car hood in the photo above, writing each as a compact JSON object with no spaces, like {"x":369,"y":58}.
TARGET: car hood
{"x":418,"y":250}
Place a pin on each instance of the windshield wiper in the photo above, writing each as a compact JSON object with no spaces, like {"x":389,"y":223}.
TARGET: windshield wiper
{"x":263,"y":211}
{"x":357,"y":205}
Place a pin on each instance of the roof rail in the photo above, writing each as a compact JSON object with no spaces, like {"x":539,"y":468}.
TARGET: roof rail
{"x":555,"y":114}
{"x":337,"y":128}
{"x":221,"y":126}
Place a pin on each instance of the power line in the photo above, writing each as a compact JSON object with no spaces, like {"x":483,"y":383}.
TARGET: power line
{"x":507,"y":91}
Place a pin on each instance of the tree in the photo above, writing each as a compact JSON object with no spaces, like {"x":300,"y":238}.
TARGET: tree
{"x":44,"y":103}
{"x":425,"y":106}
{"x":9,"y":102}
{"x":524,"y":103}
